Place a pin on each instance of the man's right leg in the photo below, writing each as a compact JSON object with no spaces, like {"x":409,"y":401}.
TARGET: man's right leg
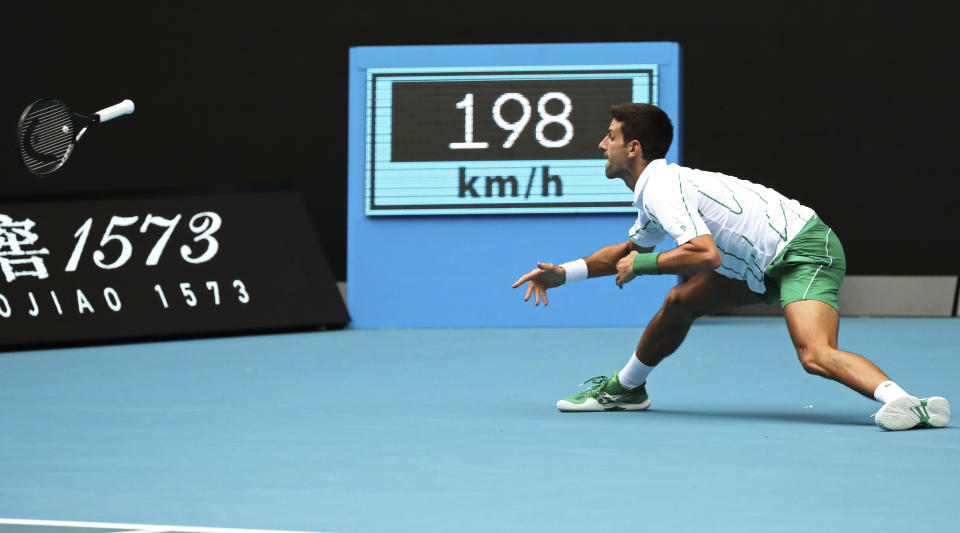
{"x":703,"y":293}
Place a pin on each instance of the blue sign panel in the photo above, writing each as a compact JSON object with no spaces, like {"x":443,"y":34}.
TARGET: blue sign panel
{"x":503,"y":139}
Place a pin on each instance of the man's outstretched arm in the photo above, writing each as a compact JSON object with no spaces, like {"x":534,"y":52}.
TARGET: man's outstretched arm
{"x":603,"y":262}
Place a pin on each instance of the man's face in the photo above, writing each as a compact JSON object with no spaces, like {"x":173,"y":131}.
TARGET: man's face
{"x":616,"y":151}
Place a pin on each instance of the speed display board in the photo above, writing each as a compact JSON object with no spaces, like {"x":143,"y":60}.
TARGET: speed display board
{"x":495,"y":140}
{"x":504,"y":139}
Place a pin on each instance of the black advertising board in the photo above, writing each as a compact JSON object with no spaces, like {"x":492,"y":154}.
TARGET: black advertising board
{"x":79,"y":271}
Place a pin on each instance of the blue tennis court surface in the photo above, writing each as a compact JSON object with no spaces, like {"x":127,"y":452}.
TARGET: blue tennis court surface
{"x":61,"y":526}
{"x":457,"y":430}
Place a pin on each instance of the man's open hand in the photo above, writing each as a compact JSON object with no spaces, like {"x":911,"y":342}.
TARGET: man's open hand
{"x":545,"y":276}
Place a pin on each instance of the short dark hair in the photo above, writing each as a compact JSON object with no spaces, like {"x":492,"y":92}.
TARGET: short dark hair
{"x":647,"y":124}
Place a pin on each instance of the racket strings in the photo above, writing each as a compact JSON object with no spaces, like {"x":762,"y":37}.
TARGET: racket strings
{"x":54,"y":127}
{"x":46,"y":137}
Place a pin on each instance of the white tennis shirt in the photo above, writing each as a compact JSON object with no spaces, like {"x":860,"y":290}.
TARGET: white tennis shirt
{"x":750,"y":223}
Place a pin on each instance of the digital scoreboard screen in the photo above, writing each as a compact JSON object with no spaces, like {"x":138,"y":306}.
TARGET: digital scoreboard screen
{"x":496,"y":140}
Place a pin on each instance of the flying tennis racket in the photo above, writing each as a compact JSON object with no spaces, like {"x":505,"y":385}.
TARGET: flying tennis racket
{"x":45,"y":133}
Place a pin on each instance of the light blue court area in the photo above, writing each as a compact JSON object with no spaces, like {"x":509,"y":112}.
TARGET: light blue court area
{"x":456,"y":430}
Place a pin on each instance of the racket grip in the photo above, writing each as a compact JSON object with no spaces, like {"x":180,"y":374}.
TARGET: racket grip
{"x":123,"y":108}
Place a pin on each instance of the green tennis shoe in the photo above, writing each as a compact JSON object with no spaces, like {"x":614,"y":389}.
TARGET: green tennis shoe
{"x":910,"y":412}
{"x":606,"y":394}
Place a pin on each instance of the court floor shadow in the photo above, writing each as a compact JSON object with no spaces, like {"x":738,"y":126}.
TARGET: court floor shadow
{"x":835,"y":418}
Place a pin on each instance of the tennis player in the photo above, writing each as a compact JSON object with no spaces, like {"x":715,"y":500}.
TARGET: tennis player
{"x":738,"y":243}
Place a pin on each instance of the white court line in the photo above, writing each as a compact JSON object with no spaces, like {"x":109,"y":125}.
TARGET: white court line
{"x":138,"y":528}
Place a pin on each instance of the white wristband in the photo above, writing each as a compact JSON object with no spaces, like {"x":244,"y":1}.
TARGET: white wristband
{"x":576,"y":270}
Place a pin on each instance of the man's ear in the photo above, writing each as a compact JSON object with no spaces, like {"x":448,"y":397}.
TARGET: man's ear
{"x":635,"y":149}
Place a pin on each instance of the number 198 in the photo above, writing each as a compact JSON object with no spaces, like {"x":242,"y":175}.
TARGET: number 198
{"x":516,"y":127}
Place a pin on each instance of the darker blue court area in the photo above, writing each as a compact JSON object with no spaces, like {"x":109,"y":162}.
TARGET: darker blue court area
{"x":456,"y":430}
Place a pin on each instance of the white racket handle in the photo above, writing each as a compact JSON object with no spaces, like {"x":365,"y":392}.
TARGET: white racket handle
{"x":123,"y":108}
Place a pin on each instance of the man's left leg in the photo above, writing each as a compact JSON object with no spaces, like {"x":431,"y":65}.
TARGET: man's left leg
{"x":813,"y":327}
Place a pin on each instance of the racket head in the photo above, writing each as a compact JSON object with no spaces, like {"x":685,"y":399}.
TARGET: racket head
{"x":45,"y":136}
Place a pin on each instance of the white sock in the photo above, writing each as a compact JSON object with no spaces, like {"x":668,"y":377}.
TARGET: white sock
{"x":888,"y":391}
{"x":634,"y":374}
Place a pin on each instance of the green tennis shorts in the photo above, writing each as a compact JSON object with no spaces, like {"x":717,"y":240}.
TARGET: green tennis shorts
{"x":810,"y":267}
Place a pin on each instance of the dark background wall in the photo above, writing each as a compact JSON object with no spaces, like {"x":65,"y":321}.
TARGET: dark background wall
{"x":846,"y":106}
